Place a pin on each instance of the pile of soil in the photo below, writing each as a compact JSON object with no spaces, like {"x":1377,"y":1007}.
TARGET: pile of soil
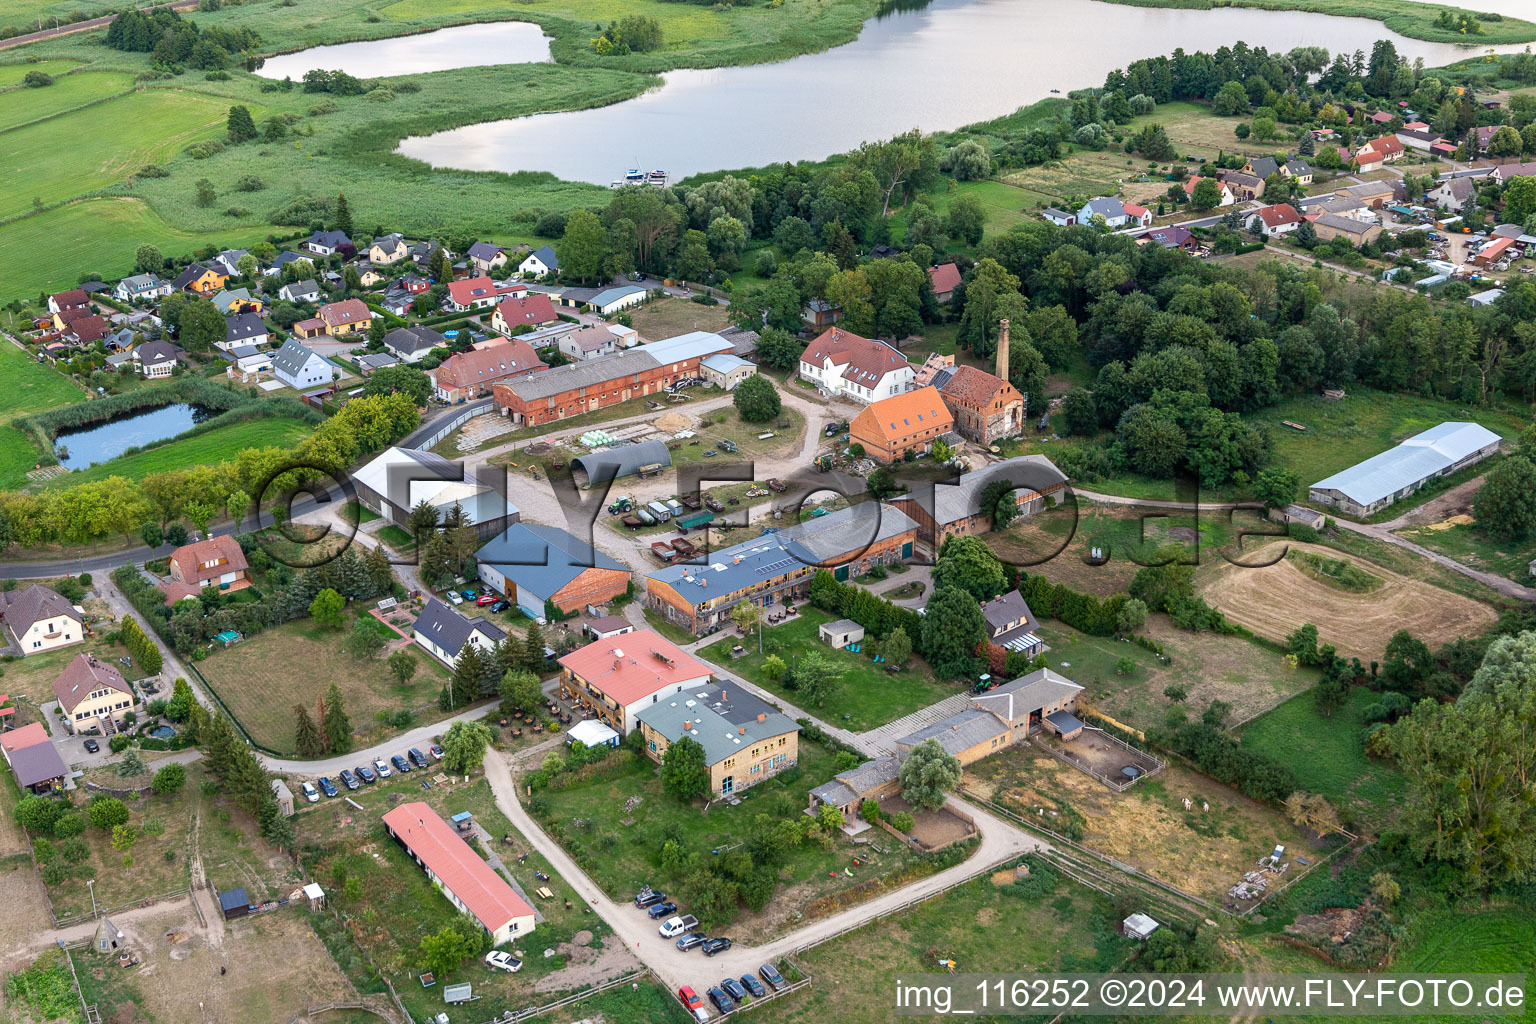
{"x":672,"y":422}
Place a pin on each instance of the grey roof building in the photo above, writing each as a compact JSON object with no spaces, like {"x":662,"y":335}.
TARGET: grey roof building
{"x":412,"y":343}
{"x":1011,"y":623}
{"x":869,"y":781}
{"x":728,"y":722}
{"x":587,"y":373}
{"x":539,"y":561}
{"x":833,"y":538}
{"x":37,"y":765}
{"x":1263,"y":166}
{"x":22,"y":608}
{"x":242,"y":328}
{"x":485,"y":251}
{"x":960,"y":733}
{"x":1396,"y":473}
{"x":625,"y":460}
{"x":736,"y":568}
{"x":445,"y":632}
{"x":370,"y":361}
{"x":1029,"y":699}
{"x":1108,"y":207}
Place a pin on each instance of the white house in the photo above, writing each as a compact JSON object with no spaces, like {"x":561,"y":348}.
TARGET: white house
{"x":1108,"y":207}
{"x":243,"y":330}
{"x":1061,"y":218}
{"x":541,"y":262}
{"x":843,"y":363}
{"x":589,"y":343}
{"x":141,"y":286}
{"x":301,"y":368}
{"x":300,"y":292}
{"x":444,"y":632}
{"x":1275,"y":220}
{"x":326,"y":243}
{"x":157,"y":358}
{"x":1453,"y":193}
{"x":611,"y":300}
{"x":250,"y":359}
{"x":40,"y":620}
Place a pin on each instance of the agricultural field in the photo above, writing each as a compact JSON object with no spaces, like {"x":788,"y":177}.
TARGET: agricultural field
{"x":1469,"y":544}
{"x":388,"y":903}
{"x":261,"y":678}
{"x":669,"y":317}
{"x":80,"y":152}
{"x":988,"y":924}
{"x":11,"y":74}
{"x":209,"y":448}
{"x":30,"y":387}
{"x":98,"y":235}
{"x":1202,"y":852}
{"x":1274,"y":601}
{"x":621,"y":859}
{"x":24,"y":105}
{"x":865,"y":696}
{"x":1206,"y":666}
{"x":1328,"y":756}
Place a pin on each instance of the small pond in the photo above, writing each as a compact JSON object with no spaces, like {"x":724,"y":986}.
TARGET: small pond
{"x":467,"y":46}
{"x":163,"y":732}
{"x":104,"y":441}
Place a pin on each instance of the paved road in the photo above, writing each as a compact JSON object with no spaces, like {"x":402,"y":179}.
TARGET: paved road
{"x":84,"y":26}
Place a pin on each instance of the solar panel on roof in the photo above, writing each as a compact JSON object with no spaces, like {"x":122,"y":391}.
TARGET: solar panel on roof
{"x":764,"y":570}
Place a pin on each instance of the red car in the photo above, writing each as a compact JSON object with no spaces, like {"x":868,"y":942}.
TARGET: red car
{"x":485,"y":599}
{"x":690,"y":998}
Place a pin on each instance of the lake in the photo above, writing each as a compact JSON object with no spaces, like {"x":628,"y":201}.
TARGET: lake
{"x":467,"y":46}
{"x":108,"y":440}
{"x":952,"y":63}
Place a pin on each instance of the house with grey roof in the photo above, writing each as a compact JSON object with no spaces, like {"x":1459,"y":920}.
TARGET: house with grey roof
{"x":300,"y":291}
{"x":243,"y":329}
{"x":141,"y":286}
{"x":621,"y":461}
{"x":157,"y":358}
{"x":368,"y":362}
{"x":872,"y":780}
{"x":1043,"y":699}
{"x":853,"y":540}
{"x":1108,"y":207}
{"x":725,"y":371}
{"x":326,"y":243}
{"x":533,"y":564}
{"x":228,"y":262}
{"x":487,"y":256}
{"x":1262,"y":166}
{"x":969,"y":735}
{"x":40,"y":619}
{"x":301,"y":368}
{"x":699,"y":596}
{"x":542,"y":262}
{"x":411,"y":344}
{"x":745,"y":739}
{"x":954,"y":510}
{"x":445,"y":632}
{"x":1372,"y":485}
{"x":611,"y":300}
{"x":1060,"y":218}
{"x":1011,"y":625}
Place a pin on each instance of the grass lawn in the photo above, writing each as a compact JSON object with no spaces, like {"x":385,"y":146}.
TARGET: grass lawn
{"x":20,"y":106}
{"x":1208,"y":666}
{"x":395,"y":905}
{"x":1328,"y":756}
{"x":1201,"y":852}
{"x":31,"y":387}
{"x":263,"y":677}
{"x":866,"y":696}
{"x":396,"y":538}
{"x":981,"y":925}
{"x":1469,"y":544}
{"x":158,"y":862}
{"x":612,"y":823}
{"x":12,"y":74}
{"x":356,"y":513}
{"x":671,"y":316}
{"x":667,"y":629}
{"x":79,"y":152}
{"x":32,"y":677}
{"x":214,"y":446}
{"x":99,"y":235}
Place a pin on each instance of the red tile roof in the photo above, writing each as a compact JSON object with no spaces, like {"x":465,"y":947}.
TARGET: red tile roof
{"x":975,"y":386}
{"x":224,"y":550}
{"x":914,"y":414}
{"x":83,"y":676}
{"x":433,"y":841}
{"x":1279,"y":213}
{"x":1387,"y":145}
{"x":465,"y":292}
{"x":1136,"y":212}
{"x":515,"y":358}
{"x":632,"y":666}
{"x":532,"y":309}
{"x":26,"y":736}
{"x":87,"y":329}
{"x":73,"y":297}
{"x":867,"y":360}
{"x":348,"y":311}
{"x":944,"y":277}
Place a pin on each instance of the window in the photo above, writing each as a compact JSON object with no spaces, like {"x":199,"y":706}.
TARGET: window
{"x":727,"y":784}
{"x":653,"y":746}
{"x":730,"y":762}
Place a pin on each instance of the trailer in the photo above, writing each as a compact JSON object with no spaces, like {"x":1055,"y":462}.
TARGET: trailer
{"x":684,"y":548}
{"x":696,"y":520}
{"x":632,"y":522}
{"x":663,"y":551}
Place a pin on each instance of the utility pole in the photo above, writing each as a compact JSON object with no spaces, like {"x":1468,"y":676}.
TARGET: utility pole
{"x":91,"y":885}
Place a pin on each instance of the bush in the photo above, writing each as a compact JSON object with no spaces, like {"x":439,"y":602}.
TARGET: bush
{"x":204,"y":150}
{"x":37,"y":79}
{"x":903,"y":822}
{"x":153,"y":171}
{"x":119,"y":743}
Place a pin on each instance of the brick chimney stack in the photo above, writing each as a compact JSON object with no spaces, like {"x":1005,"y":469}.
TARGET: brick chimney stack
{"x":1002,"y":349}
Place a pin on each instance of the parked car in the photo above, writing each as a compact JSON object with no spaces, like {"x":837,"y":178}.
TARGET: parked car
{"x":661,"y":910}
{"x":774,"y":979}
{"x":485,"y":599}
{"x":454,"y":598}
{"x":417,"y":757}
{"x":310,"y":793}
{"x":690,"y":999}
{"x":400,"y":763}
{"x":435,"y":752}
{"x":718,"y":945}
{"x":754,"y":986}
{"x":327,"y":786}
{"x":687,"y":942}
{"x":673,"y":927}
{"x":503,"y":961}
{"x":732,"y":988}
{"x":468,"y":593}
{"x":348,"y":779}
{"x":366,"y":775}
{"x":649,"y":898}
{"x":500,"y":605}
{"x":722,"y":1002}
{"x":382,"y":767}
{"x":92,"y":747}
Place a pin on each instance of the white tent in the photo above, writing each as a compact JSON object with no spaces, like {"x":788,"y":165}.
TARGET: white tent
{"x":592,"y":733}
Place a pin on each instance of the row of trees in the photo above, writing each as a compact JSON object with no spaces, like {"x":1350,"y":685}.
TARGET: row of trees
{"x":143,"y":649}
{"x":332,"y":734}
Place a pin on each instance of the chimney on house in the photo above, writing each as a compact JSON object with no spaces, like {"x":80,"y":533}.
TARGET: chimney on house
{"x":741,"y":730}
{"x":687,"y":725}
{"x":1002,"y":349}
{"x":762,"y":717}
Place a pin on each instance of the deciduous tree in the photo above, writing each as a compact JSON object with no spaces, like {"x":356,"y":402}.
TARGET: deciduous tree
{"x":928,"y":775}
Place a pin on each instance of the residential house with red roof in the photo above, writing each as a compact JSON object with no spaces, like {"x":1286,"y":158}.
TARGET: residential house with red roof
{"x":336,"y":319}
{"x":911,"y":421}
{"x":1385,"y":150}
{"x":478,"y":293}
{"x":620,"y":676}
{"x":944,"y":278}
{"x":1139,"y":216}
{"x":1275,"y":220}
{"x":1227,"y":199}
{"x":526,"y":310}
{"x":75,"y":298}
{"x":214,"y":562}
{"x":93,"y":695}
{"x":466,"y":375}
{"x":459,"y":873}
{"x":843,"y":363}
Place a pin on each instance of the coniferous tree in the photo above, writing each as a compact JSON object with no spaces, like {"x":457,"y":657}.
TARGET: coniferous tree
{"x":343,"y":215}
{"x":533,"y":654}
{"x":337,"y":726}
{"x":467,"y":672}
{"x":240,"y":126}
{"x":306,"y":735}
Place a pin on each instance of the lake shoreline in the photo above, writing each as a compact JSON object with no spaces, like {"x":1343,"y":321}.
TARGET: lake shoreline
{"x":1405,"y":17}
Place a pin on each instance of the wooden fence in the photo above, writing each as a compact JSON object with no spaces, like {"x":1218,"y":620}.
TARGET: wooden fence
{"x":1158,"y":764}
